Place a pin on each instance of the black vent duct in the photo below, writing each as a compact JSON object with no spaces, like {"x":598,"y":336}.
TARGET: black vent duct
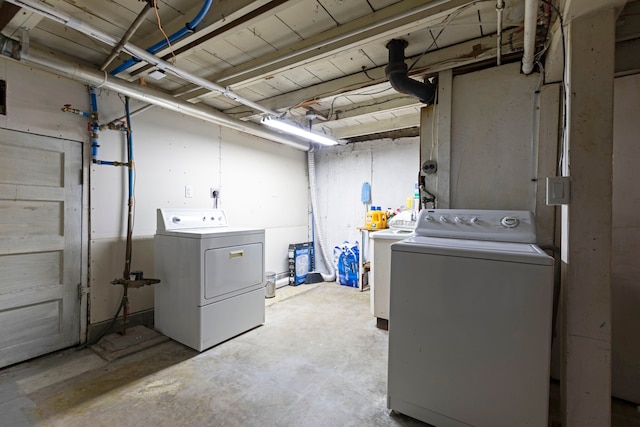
{"x":397,"y":71}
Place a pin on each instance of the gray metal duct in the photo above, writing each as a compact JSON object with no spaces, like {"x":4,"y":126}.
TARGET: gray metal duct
{"x":397,"y":70}
{"x":50,"y":62}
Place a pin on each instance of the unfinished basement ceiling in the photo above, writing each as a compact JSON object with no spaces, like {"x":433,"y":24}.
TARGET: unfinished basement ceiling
{"x":289,"y":56}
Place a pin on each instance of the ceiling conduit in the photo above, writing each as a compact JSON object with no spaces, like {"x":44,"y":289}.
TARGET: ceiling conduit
{"x":50,"y":62}
{"x":397,"y":71}
{"x":71,"y":22}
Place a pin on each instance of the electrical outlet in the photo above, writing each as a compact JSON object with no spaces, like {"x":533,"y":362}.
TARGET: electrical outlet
{"x":188,"y":191}
{"x":214,"y":192}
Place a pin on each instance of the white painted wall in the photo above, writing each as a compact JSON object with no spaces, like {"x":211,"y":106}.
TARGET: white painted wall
{"x":34,"y":99}
{"x":263,"y":184}
{"x":491,"y":150}
{"x":390,"y":166}
{"x":501,"y":147}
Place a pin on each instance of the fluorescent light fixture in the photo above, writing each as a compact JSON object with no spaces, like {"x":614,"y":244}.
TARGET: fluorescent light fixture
{"x":293,"y":129}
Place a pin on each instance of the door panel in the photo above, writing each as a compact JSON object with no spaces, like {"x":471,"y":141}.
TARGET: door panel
{"x":40,"y":244}
{"x":232,"y":268}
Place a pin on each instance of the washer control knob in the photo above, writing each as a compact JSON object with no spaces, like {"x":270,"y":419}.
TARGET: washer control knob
{"x":474,"y":220}
{"x":175,"y":219}
{"x":458,"y":220}
{"x":428,"y":218}
{"x":510,"y":221}
{"x":443,"y":219}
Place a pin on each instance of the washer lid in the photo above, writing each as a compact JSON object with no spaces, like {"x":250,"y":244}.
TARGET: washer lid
{"x":392,"y":234}
{"x":497,"y":251}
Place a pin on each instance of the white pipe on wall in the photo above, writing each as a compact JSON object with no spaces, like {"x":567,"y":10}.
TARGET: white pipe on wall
{"x":530,"y":21}
{"x":49,"y":62}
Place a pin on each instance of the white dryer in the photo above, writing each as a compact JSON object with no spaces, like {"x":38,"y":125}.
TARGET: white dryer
{"x":212,"y":277}
{"x":470,"y":321}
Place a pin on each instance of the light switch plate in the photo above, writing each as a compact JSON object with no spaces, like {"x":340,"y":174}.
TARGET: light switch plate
{"x":188,"y":191}
{"x":558,"y":190}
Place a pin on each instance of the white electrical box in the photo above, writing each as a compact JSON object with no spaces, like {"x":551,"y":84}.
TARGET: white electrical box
{"x":558,"y":190}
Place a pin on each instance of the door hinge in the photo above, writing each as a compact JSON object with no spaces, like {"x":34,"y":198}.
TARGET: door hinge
{"x":82,"y":290}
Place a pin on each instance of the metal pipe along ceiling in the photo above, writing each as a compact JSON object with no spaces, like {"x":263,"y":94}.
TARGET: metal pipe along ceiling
{"x":50,"y":62}
{"x":127,"y":36}
{"x":61,"y":17}
{"x":188,"y":28}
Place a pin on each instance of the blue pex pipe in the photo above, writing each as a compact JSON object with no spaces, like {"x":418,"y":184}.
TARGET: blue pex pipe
{"x":129,"y":145}
{"x":95,"y":127}
{"x":188,"y":28}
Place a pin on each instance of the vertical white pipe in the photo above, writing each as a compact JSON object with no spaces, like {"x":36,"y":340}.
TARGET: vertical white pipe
{"x":530,"y":20}
{"x":499,"y":9}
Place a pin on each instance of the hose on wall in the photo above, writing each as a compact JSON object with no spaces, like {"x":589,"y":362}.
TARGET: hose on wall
{"x":319,"y":235}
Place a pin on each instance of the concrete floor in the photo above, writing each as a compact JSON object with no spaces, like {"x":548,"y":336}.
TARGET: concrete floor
{"x":318,"y":360}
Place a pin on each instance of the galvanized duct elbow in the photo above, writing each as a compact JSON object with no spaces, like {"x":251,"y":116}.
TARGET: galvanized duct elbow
{"x":397,"y":70}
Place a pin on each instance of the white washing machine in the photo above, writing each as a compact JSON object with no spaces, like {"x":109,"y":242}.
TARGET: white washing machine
{"x":212,"y":277}
{"x":470,"y":321}
{"x":380,"y":275}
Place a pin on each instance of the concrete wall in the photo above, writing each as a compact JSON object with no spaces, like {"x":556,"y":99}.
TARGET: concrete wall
{"x":390,"y":166}
{"x":262,"y":183}
{"x":625,"y":269}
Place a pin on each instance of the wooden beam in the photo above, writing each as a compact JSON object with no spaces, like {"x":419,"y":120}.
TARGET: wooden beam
{"x":393,"y":123}
{"x":7,"y":13}
{"x":465,"y":53}
{"x":242,"y":21}
{"x":386,"y":104}
{"x":379,"y":25}
{"x":220,"y":14}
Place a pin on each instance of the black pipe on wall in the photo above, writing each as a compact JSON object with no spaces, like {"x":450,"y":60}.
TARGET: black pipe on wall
{"x":397,"y":74}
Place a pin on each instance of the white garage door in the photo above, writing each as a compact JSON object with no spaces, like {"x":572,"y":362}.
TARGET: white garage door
{"x":40,"y":248}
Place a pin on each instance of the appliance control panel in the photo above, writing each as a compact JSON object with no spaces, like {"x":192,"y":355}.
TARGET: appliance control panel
{"x":182,"y":219}
{"x":492,"y":225}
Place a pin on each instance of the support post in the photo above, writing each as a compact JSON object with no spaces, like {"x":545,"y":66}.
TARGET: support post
{"x":586,"y":240}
